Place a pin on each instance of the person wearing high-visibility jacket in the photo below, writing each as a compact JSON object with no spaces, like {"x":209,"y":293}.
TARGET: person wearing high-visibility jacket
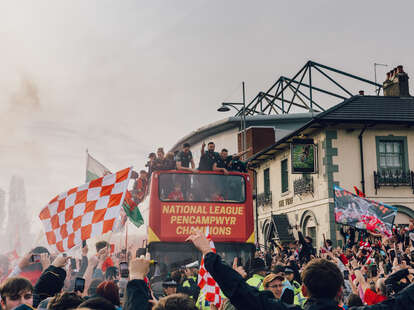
{"x":299,"y":299}
{"x":259,"y":270}
{"x":190,"y":286}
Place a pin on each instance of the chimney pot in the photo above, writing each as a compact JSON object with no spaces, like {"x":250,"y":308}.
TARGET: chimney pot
{"x":361,"y":92}
{"x":397,"y":85}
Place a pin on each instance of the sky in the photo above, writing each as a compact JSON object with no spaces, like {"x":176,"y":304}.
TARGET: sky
{"x":121,"y":78}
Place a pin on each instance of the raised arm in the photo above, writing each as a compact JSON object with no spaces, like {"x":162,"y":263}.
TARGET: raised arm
{"x":241,"y":295}
{"x":240,"y":154}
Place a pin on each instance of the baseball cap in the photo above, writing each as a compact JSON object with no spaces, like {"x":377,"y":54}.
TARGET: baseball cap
{"x":271,"y":277}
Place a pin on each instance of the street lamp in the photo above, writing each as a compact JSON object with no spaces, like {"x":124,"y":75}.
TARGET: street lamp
{"x":225,"y":108}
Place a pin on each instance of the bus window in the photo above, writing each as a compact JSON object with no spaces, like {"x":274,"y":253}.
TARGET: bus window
{"x":202,"y":187}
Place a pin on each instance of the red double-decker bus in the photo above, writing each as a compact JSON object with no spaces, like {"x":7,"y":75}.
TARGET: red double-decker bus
{"x":181,"y":200}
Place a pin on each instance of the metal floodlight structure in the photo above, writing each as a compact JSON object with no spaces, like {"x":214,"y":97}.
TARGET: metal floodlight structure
{"x":286,"y":92}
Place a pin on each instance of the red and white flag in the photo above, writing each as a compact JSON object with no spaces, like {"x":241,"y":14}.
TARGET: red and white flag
{"x":85,"y":211}
{"x":206,"y":283}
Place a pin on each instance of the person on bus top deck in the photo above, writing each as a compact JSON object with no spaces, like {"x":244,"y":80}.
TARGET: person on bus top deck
{"x":176,"y":194}
{"x":169,"y":162}
{"x":140,"y":187}
{"x":185,"y":158}
{"x":227,"y":162}
{"x":158,"y":163}
{"x":208,"y":158}
{"x":150,"y":162}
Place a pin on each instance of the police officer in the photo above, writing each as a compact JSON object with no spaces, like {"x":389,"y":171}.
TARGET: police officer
{"x":299,"y":299}
{"x":259,"y":270}
{"x":190,"y":286}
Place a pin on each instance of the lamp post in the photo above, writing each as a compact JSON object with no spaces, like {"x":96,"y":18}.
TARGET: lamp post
{"x":225,"y":108}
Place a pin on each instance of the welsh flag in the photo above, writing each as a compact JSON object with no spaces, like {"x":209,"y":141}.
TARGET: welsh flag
{"x":94,"y":170}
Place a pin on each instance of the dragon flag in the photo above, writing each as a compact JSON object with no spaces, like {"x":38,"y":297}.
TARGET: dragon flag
{"x":94,"y":170}
{"x":85,"y":211}
{"x":363,"y":213}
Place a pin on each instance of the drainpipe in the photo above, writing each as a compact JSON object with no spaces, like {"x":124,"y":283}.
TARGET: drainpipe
{"x":361,"y":152}
{"x":255,"y":198}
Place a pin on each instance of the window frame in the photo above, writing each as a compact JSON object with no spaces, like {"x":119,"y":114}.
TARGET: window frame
{"x":282,"y":173}
{"x":201,"y":201}
{"x":266,"y":189}
{"x":403,"y":140}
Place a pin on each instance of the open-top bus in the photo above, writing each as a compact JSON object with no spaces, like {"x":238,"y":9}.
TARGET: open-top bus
{"x":181,"y":200}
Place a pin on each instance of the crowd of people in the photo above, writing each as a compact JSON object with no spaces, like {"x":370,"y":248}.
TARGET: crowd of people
{"x":210,"y":160}
{"x":368,"y":272}
{"x":183,"y":160}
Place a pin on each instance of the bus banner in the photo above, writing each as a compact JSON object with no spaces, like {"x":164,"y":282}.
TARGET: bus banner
{"x":224,"y":221}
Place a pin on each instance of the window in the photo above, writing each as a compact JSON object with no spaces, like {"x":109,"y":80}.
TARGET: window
{"x":266,"y":181}
{"x":392,"y":154}
{"x":285,"y":175}
{"x":201,"y":187}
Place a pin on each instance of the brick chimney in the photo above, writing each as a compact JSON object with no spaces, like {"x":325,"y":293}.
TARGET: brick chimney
{"x":396,"y":83}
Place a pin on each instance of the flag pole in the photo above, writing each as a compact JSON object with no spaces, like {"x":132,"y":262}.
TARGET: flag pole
{"x":126,"y":239}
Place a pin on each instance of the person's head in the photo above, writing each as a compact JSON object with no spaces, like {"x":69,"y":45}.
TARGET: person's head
{"x":160,"y":153}
{"x":16,"y":291}
{"x":191,"y":269}
{"x":110,"y":291}
{"x":211,"y":146}
{"x":321,"y":279}
{"x":224,"y":153}
{"x":308,"y":240}
{"x":279,"y":270}
{"x":169,"y":156}
{"x":354,"y":301}
{"x":380,"y":287}
{"x":274,"y":283}
{"x":175,"y":302}
{"x":186,"y":147}
{"x":97,"y":303}
{"x":177,"y":187}
{"x":64,"y":301}
{"x":101,"y":245}
{"x":329,"y":242}
{"x":177,"y":276}
{"x":152,"y":156}
{"x":111,"y":273}
{"x":169,"y":286}
{"x":258,"y":266}
{"x":143,"y":174}
{"x":289,"y":274}
{"x":93,"y":286}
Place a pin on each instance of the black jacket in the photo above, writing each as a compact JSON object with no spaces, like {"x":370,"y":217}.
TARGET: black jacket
{"x":393,"y":280}
{"x":241,"y":295}
{"x":49,"y":284}
{"x":137,"y":296}
{"x":244,"y":296}
{"x":307,"y":249}
{"x":401,"y":301}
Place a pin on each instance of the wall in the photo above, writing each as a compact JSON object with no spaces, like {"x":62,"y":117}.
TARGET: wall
{"x":348,"y":160}
{"x":298,"y":207}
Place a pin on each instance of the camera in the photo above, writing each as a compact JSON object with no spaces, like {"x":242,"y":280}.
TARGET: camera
{"x":35,"y":258}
